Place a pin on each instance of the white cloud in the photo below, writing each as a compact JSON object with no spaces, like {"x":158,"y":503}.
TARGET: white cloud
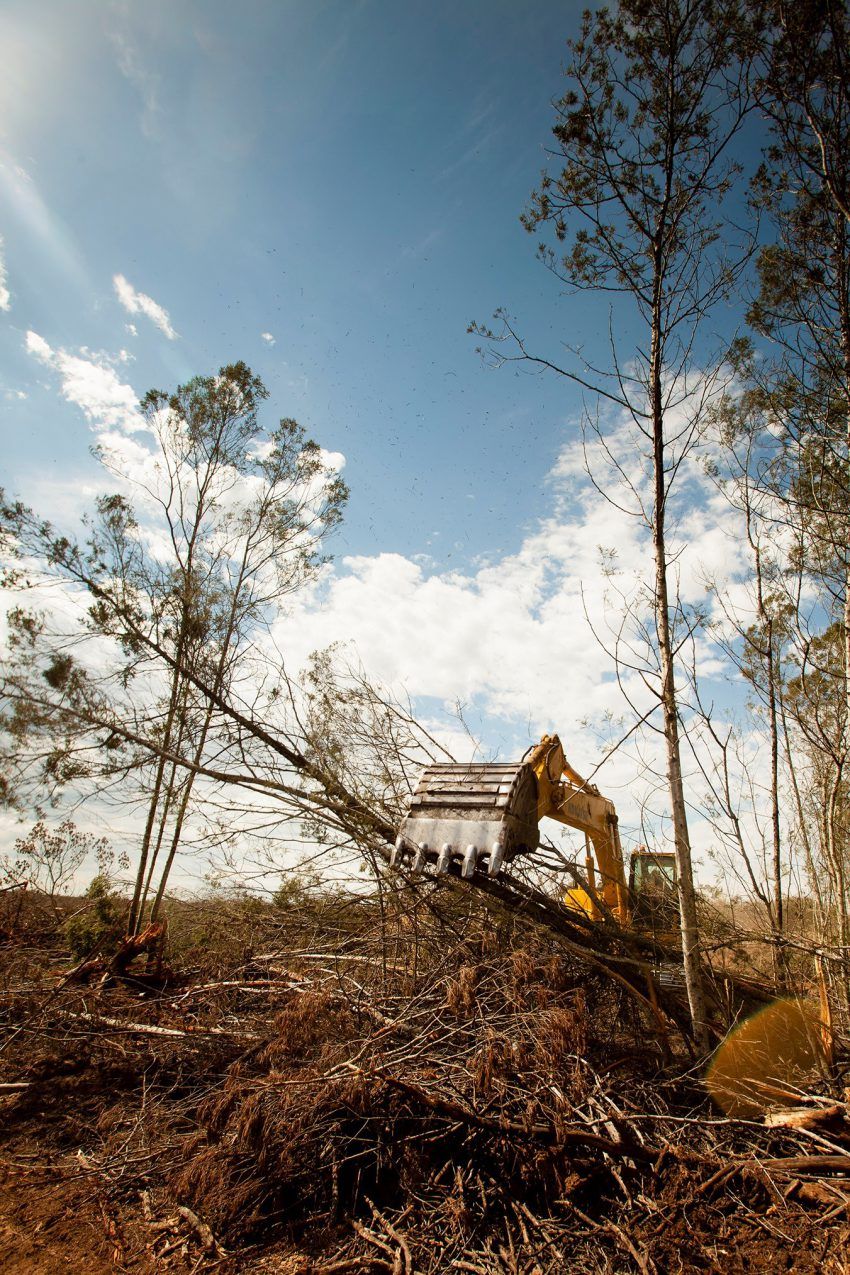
{"x":38,"y":347}
{"x":90,"y":383}
{"x":332,"y":460}
{"x":267,"y":337}
{"x":132,"y":329}
{"x":139,"y":303}
{"x":5,"y":294}
{"x":510,"y":636}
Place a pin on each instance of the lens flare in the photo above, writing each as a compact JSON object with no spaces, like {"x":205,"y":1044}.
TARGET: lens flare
{"x":767,"y":1060}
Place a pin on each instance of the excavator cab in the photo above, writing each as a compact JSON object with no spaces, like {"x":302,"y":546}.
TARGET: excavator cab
{"x":653,"y":892}
{"x":652,"y":870}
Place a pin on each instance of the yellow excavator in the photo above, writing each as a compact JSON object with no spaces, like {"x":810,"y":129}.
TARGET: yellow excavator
{"x":478,"y":816}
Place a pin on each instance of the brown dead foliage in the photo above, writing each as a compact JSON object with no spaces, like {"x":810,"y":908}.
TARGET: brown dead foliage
{"x":440,"y":1094}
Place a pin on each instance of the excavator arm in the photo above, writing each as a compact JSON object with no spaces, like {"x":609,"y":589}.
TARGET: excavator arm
{"x":563,"y":795}
{"x":479,"y":816}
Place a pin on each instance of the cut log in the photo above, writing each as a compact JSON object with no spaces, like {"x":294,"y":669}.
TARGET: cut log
{"x":804,"y":1117}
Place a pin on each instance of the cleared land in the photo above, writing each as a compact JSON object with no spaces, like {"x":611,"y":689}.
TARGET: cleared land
{"x":410,"y":1084}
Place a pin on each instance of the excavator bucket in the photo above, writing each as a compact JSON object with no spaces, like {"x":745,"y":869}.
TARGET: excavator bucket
{"x":473,"y":817}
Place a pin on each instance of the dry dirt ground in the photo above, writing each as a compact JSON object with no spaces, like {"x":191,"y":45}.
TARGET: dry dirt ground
{"x":411,"y":1094}
{"x":48,"y":1226}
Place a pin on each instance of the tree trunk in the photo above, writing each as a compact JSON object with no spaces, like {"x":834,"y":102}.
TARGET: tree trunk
{"x":218,"y":683}
{"x":843,"y":744}
{"x":687,"y":895}
{"x":133,"y":917}
{"x":776,"y":911}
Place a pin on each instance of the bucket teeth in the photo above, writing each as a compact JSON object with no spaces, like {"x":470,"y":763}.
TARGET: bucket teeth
{"x":470,"y":860}
{"x":418,"y":857}
{"x":497,"y":856}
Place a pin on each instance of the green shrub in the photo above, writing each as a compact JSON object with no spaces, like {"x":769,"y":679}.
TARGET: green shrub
{"x":101,"y":924}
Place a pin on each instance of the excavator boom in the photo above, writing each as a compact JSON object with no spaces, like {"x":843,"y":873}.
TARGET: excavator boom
{"x":479,"y":816}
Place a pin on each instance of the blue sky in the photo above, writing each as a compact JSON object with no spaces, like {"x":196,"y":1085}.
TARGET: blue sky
{"x":331,"y":191}
{"x":344,"y":176}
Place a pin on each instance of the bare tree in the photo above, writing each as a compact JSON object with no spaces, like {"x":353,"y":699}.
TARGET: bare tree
{"x":230,"y":520}
{"x":791,"y":415}
{"x":656,"y":94}
{"x":49,"y":857}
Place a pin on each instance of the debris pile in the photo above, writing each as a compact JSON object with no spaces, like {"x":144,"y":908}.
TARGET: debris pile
{"x":428,"y":1097}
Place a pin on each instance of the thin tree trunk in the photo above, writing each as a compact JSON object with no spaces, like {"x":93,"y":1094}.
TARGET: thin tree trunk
{"x":836,"y":854}
{"x":218,"y":682}
{"x":684,"y":865}
{"x":133,"y":917}
{"x":170,"y":792}
{"x":843,"y":741}
{"x":778,"y":907}
{"x":769,"y":653}
{"x":181,"y":816}
{"x":169,"y":798}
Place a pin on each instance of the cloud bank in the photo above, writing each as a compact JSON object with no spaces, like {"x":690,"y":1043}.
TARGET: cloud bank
{"x":526,"y":640}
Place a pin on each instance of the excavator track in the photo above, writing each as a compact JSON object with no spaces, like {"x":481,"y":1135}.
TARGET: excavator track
{"x":469,"y":818}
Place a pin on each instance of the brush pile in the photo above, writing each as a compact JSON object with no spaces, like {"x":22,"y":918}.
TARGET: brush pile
{"x":396,"y":1091}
